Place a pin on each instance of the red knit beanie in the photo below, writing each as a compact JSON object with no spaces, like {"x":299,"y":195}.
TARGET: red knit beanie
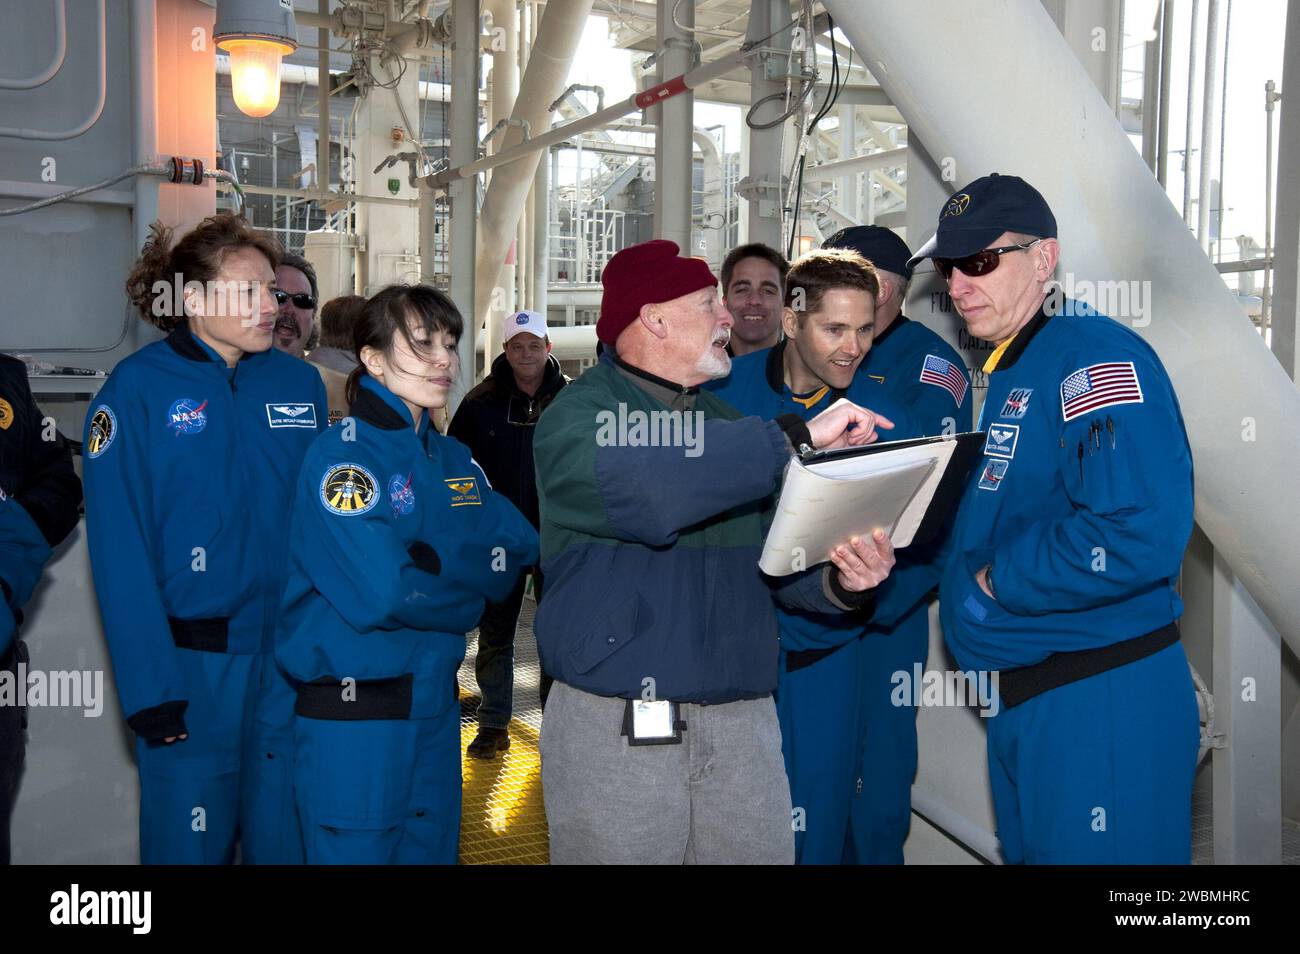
{"x":645,"y":274}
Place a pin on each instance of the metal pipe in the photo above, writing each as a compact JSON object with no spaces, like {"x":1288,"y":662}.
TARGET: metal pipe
{"x":1191,"y":96}
{"x":1166,"y":63}
{"x":322,"y":196}
{"x":296,"y":73}
{"x":1207,"y":124}
{"x":1265,"y":308}
{"x":558,"y":134}
{"x":323,"y":102}
{"x":41,"y":135}
{"x":674,"y":157}
{"x":761,"y":187}
{"x":56,"y":62}
{"x":144,"y":118}
{"x":1150,"y":97}
{"x":540,"y":248}
{"x":827,"y":171}
{"x":1096,"y":204}
{"x":462,"y":195}
{"x":1223,"y":131}
{"x":14,"y":189}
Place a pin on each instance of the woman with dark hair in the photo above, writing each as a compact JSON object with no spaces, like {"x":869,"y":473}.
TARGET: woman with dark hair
{"x":397,"y":541}
{"x":191,"y":449}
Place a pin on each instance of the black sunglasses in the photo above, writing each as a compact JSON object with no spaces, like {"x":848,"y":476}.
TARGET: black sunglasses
{"x":300,"y":301}
{"x":981,"y":263}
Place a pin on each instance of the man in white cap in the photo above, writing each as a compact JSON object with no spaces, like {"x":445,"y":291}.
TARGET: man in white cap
{"x":496,"y":421}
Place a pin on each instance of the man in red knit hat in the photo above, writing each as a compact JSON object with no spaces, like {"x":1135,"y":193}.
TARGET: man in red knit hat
{"x":660,"y":741}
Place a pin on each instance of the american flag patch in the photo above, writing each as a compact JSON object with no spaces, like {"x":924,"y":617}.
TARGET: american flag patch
{"x":944,"y":374}
{"x":1099,"y":385}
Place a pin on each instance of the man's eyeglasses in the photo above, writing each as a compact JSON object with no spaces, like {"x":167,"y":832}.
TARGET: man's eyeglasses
{"x":303,"y":300}
{"x":981,"y":263}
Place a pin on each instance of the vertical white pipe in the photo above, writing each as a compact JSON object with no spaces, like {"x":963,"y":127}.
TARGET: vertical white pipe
{"x":674,"y":155}
{"x":462,"y":193}
{"x":1207,"y":123}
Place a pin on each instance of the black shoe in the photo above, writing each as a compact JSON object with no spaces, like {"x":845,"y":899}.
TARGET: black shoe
{"x":488,"y":743}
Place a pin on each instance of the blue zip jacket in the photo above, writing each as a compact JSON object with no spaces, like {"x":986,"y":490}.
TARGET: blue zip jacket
{"x":1082,"y":503}
{"x":914,"y":365}
{"x":757,"y":386}
{"x":398,"y":539}
{"x":189,"y":467}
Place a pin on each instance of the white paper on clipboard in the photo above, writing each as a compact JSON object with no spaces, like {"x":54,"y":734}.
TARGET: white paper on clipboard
{"x":825,"y":503}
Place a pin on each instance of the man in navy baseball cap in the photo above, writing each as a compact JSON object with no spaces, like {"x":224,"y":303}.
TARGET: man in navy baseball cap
{"x":1066,"y":552}
{"x":975,"y":217}
{"x":982,"y":227}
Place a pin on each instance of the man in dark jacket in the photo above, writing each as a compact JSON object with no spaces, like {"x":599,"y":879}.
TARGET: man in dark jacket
{"x":496,"y":421}
{"x":39,"y":499}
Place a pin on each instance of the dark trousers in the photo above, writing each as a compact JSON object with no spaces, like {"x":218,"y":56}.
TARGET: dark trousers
{"x":494,"y":666}
{"x":13,"y":723}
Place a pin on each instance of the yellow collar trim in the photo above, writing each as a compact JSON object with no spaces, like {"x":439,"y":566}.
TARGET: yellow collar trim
{"x":991,"y":364}
{"x":816,"y":396}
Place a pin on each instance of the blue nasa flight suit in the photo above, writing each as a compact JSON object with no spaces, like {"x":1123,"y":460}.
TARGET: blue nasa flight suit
{"x":188,"y":471}
{"x":818,"y":671}
{"x":1082,"y":505}
{"x":916,"y":368}
{"x":397,"y":541}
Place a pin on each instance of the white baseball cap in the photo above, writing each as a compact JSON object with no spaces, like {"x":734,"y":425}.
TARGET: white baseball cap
{"x":533,"y":322}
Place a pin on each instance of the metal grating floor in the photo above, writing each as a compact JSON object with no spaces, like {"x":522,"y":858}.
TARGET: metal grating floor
{"x":502,"y":819}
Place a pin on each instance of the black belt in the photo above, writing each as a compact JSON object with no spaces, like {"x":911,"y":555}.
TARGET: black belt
{"x":1060,"y":669}
{"x":802,"y":658}
{"x":205,"y":635}
{"x":329,"y":698}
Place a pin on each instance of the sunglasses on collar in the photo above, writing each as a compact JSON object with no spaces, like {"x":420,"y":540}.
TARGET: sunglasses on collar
{"x":981,"y":263}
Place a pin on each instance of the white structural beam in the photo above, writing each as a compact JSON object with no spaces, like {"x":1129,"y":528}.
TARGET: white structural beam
{"x":1243,"y":425}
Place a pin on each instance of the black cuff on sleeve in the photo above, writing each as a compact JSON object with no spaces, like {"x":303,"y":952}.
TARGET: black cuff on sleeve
{"x":160,"y":722}
{"x":863,"y":603}
{"x":796,"y":431}
{"x":425,"y":557}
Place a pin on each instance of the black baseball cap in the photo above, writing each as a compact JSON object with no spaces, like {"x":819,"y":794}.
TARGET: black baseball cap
{"x":974,"y":216}
{"x":876,"y":244}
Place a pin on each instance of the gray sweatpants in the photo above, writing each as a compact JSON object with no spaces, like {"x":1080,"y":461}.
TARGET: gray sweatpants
{"x":720,"y":797}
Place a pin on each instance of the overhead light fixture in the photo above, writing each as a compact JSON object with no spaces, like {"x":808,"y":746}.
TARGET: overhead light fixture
{"x":257,"y":34}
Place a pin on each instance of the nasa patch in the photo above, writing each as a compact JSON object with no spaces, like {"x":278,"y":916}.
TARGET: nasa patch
{"x":994,"y":470}
{"x":187,"y":416}
{"x":1001,"y":440}
{"x":1017,"y":402}
{"x":400,"y":495}
{"x":291,"y":415}
{"x":348,"y":489}
{"x":464,"y":491}
{"x":103,"y":428}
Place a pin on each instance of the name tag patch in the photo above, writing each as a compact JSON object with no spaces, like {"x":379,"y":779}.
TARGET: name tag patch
{"x":291,"y":415}
{"x":464,"y":491}
{"x":1002,"y":440}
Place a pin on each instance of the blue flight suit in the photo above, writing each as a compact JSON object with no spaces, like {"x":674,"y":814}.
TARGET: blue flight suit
{"x":817,"y":675}
{"x":1082,"y":505}
{"x":918,"y":369}
{"x":188,"y":470}
{"x":397,"y":541}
